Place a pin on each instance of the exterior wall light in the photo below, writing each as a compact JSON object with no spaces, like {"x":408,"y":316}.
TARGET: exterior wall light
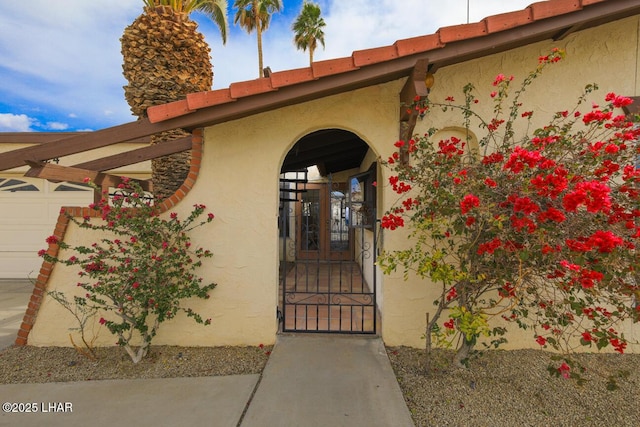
{"x":429,"y":80}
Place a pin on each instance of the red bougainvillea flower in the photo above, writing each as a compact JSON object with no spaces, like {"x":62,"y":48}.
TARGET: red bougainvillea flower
{"x":618,"y":345}
{"x":604,"y":241}
{"x":551,"y":214}
{"x":489,"y":247}
{"x":469,"y":202}
{"x":618,"y":101}
{"x":501,"y":78}
{"x":391,"y":221}
{"x":490,"y":182}
{"x":492,"y":158}
{"x":564,"y":370}
{"x":451,"y":147}
{"x":452,"y":294}
{"x":592,"y":194}
{"x":520,"y":158}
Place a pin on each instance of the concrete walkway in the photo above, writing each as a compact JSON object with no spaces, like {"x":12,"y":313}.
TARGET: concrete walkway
{"x":328,"y":381}
{"x":309,"y":380}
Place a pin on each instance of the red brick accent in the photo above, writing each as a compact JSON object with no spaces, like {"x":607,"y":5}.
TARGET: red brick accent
{"x":549,"y":9}
{"x":373,"y":56}
{"x":194,"y":170}
{"x":509,"y":20}
{"x":60,"y":230}
{"x":418,"y":44}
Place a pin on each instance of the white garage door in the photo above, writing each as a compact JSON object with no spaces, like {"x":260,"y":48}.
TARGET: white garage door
{"x":29,"y":210}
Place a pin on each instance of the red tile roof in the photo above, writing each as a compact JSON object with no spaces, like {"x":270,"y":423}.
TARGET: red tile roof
{"x":363,"y":58}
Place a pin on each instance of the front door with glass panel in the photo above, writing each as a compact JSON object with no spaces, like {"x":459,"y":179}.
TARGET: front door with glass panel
{"x":322,"y":217}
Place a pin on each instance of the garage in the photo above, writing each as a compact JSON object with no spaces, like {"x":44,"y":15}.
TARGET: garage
{"x":29,"y":208}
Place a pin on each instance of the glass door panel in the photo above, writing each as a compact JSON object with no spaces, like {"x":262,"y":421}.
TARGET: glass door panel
{"x":322,"y":217}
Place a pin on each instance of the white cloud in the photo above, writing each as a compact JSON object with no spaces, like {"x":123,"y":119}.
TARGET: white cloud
{"x":56,"y":126}
{"x":65,"y":57}
{"x":15,"y":123}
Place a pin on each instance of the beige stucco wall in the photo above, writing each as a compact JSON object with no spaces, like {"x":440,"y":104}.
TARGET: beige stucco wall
{"x":606,"y":55}
{"x":238,"y":182}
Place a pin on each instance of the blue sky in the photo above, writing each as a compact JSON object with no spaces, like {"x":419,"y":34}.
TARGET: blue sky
{"x":61,"y":65}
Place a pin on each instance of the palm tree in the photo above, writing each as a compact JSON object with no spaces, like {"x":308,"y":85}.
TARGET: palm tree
{"x":308,"y":29}
{"x":256,"y":15}
{"x":165,"y":57}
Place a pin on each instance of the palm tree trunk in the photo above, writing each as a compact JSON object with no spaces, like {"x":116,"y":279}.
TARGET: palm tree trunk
{"x":260,"y":61}
{"x":164,"y":59}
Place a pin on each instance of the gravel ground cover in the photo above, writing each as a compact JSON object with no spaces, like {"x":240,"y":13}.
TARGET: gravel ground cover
{"x":62,"y":364}
{"x":503,"y":388}
{"x":514,"y":388}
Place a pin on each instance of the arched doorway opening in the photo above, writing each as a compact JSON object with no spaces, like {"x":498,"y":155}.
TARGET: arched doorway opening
{"x":327,"y":224}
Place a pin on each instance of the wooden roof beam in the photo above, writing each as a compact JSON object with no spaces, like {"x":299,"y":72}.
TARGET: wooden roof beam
{"x":57,"y":173}
{"x":414,"y":87}
{"x":138,"y":155}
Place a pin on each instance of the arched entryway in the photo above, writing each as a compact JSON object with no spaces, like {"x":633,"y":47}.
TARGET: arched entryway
{"x":327,"y":224}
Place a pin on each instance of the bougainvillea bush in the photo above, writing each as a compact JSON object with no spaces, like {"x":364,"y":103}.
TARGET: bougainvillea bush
{"x":540,"y":229}
{"x":141,"y":270}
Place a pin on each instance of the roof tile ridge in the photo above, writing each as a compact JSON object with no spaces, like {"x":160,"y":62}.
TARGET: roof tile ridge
{"x":551,"y":8}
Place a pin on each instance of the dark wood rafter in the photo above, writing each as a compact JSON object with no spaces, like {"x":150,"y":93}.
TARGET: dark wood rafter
{"x":138,"y":155}
{"x":394,"y":68}
{"x":32,"y":138}
{"x":94,"y":169}
{"x":57,"y":173}
{"x":415,"y":89}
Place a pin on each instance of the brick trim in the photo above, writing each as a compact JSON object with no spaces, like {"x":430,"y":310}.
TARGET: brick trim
{"x":40,"y":286}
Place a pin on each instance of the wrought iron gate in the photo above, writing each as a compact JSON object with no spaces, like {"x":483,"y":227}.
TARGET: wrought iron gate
{"x":327,"y":273}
